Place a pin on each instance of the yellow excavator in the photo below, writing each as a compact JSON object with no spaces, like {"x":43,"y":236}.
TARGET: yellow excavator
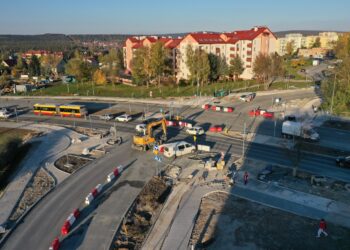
{"x":147,"y":140}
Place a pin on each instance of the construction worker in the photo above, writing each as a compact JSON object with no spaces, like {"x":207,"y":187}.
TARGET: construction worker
{"x":321,"y":229}
{"x":245,"y":178}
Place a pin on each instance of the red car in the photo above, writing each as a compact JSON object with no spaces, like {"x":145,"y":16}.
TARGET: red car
{"x":268,"y":115}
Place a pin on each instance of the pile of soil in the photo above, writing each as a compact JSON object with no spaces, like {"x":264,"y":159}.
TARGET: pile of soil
{"x":228,"y":222}
{"x":38,"y":186}
{"x":142,"y":214}
{"x":87,"y":131}
{"x":70,"y":163}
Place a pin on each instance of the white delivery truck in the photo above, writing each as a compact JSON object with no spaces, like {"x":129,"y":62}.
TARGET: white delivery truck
{"x":178,"y":149}
{"x":298,"y":129}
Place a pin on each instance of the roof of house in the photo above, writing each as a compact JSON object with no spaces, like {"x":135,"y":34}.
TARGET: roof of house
{"x":207,"y":38}
{"x":173,"y":43}
{"x":247,"y":34}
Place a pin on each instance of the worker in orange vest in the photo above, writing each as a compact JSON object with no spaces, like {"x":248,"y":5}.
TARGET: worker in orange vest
{"x":322,"y":228}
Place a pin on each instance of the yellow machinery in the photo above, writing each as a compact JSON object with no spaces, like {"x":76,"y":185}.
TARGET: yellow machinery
{"x":147,"y":141}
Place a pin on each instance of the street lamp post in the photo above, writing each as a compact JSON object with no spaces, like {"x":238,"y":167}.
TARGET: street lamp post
{"x":335,"y":79}
{"x":244,"y":134}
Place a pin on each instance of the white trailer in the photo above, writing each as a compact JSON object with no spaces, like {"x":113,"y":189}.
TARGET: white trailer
{"x":292,"y":129}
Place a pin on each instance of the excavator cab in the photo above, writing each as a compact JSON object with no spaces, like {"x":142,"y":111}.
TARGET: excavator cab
{"x":146,"y":141}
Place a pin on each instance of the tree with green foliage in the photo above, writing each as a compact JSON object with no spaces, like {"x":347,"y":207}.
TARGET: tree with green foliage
{"x":267,"y":68}
{"x":336,"y":90}
{"x":290,"y":48}
{"x":79,"y":68}
{"x":34,"y":66}
{"x":158,"y":59}
{"x":236,"y":67}
{"x":198,"y":64}
{"x":261,"y":67}
{"x":141,"y":70}
{"x":317,"y":43}
{"x":218,"y":67}
{"x":113,"y":63}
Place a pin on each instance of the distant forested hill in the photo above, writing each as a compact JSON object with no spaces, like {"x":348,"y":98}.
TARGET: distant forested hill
{"x":53,"y":42}
{"x":102,"y":38}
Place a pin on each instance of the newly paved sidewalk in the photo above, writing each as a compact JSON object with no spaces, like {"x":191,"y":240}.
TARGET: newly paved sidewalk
{"x":54,"y":141}
{"x":271,"y":195}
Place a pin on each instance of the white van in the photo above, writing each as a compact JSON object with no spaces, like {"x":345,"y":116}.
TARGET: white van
{"x":178,"y":149}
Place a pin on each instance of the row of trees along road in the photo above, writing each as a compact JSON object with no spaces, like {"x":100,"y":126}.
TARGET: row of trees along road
{"x":336,"y":91}
{"x":153,"y":63}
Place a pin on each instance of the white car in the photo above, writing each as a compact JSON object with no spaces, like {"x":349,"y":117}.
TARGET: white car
{"x":5,"y":114}
{"x":195,"y":131}
{"x":141,"y":128}
{"x":106,"y":117}
{"x":247,"y":97}
{"x":123,"y":118}
{"x":178,"y":149}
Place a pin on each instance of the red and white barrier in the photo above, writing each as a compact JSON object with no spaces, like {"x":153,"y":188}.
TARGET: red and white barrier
{"x":206,"y":106}
{"x":70,"y":221}
{"x":116,"y":172}
{"x":55,"y":245}
{"x":213,"y":108}
{"x":93,"y":194}
{"x":218,"y":108}
{"x":228,"y":109}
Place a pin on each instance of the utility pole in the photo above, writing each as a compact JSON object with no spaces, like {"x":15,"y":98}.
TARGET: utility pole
{"x":16,"y":114}
{"x":90,"y":122}
{"x":335,"y":79}
{"x":244,"y":134}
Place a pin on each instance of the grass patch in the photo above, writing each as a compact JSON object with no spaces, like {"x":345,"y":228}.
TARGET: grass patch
{"x":120,"y":90}
{"x":11,"y":152}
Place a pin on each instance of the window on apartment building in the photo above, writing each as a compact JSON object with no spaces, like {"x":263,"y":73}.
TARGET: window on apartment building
{"x":217,"y":50}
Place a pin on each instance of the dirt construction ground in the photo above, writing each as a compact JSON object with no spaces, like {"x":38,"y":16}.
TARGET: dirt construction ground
{"x":228,"y":222}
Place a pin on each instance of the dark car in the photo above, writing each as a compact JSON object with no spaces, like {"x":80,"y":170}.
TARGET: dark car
{"x":291,"y":118}
{"x":343,"y":161}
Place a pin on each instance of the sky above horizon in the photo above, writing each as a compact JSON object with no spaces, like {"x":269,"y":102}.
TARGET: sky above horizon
{"x":164,"y":16}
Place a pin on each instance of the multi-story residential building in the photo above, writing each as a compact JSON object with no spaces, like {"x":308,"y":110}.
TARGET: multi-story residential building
{"x":133,"y":43}
{"x":327,"y":40}
{"x":246,"y":44}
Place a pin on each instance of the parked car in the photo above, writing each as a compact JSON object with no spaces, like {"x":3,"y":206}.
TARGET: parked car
{"x":291,"y":118}
{"x":195,"y":131}
{"x":178,"y":149}
{"x":4,"y":113}
{"x":343,"y":161}
{"x":106,"y":117}
{"x":123,"y":118}
{"x":247,"y":97}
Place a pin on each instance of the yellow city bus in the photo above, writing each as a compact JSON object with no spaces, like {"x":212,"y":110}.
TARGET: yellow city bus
{"x":61,"y":110}
{"x":72,"y":110}
{"x":45,"y":109}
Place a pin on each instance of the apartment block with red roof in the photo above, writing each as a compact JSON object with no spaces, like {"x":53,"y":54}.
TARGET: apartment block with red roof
{"x":133,"y":43}
{"x":246,"y":44}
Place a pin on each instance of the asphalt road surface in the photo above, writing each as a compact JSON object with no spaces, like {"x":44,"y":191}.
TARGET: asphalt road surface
{"x":44,"y":223}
